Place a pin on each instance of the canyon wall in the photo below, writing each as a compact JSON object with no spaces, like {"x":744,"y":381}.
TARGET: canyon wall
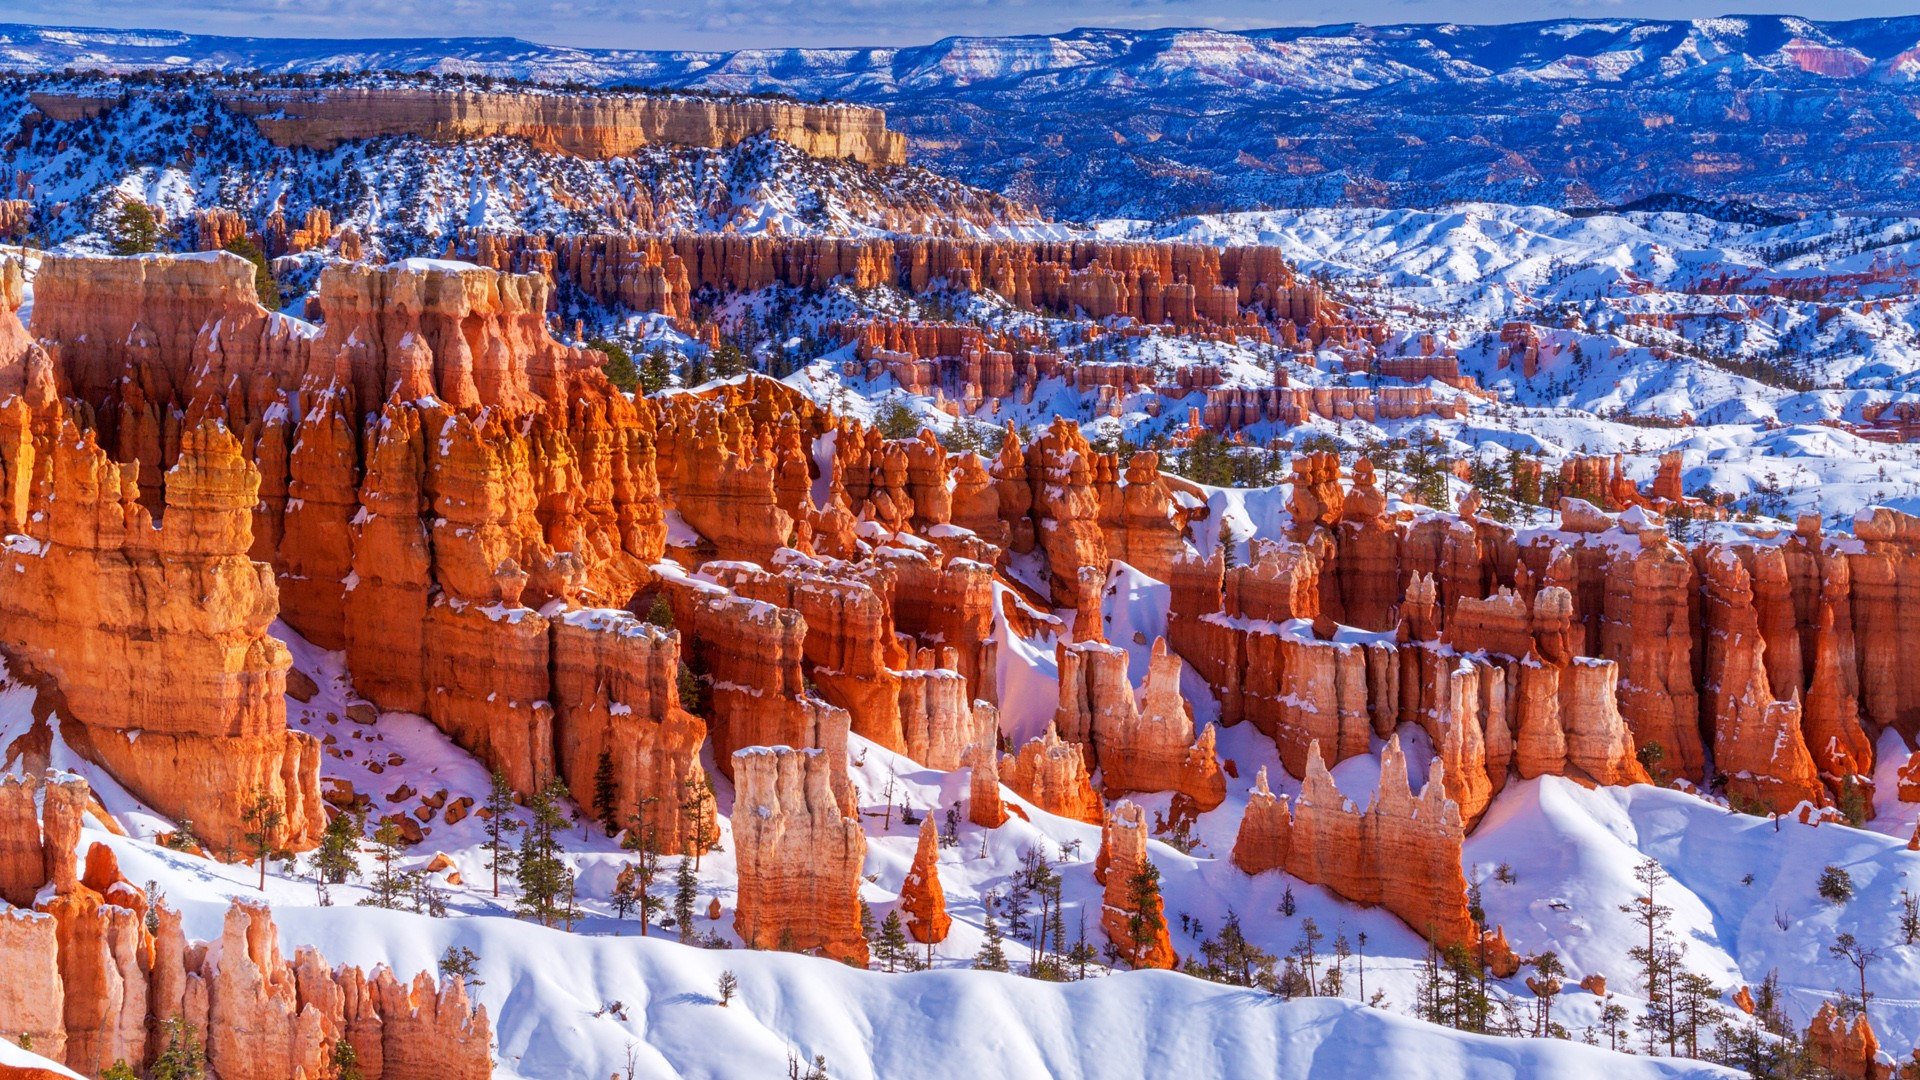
{"x":97,"y":977}
{"x":583,"y":125}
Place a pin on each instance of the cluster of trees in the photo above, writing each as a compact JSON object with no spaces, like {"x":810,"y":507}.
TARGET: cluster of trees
{"x":1035,"y":913}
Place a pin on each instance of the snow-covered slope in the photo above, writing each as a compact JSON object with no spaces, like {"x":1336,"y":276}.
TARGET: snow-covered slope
{"x":1095,"y":121}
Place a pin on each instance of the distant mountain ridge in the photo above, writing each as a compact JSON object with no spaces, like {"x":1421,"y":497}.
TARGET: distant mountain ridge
{"x":1778,"y":111}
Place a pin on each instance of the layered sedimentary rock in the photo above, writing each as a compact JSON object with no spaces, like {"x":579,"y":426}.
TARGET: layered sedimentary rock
{"x":1402,"y":853}
{"x":1051,"y":773}
{"x":157,"y":637}
{"x":589,"y":125}
{"x":1139,"y":748}
{"x":799,"y":855}
{"x":1232,"y":290}
{"x":984,"y":805}
{"x":1131,"y":911}
{"x":1758,"y":743}
{"x":93,"y":985}
{"x":921,"y":895}
{"x":1579,"y":652}
{"x":1066,"y":515}
{"x":432,"y":467}
{"x":1885,"y":595}
{"x":1843,"y":1049}
{"x":617,"y":702}
{"x":1647,"y":627}
{"x":38,"y":844}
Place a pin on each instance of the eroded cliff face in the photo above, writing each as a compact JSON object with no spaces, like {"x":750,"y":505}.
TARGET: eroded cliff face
{"x":423,"y":472}
{"x":1131,"y":911}
{"x":1601,"y":651}
{"x":584,"y":125}
{"x":155,"y":631}
{"x":93,"y":984}
{"x":1402,"y":852}
{"x":800,"y":855}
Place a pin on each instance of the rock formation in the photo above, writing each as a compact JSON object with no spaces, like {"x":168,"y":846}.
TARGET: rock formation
{"x":1402,"y":853}
{"x":800,"y":856}
{"x":1131,"y":911}
{"x":584,"y":125}
{"x":921,"y":896}
{"x":1145,"y":748}
{"x":1051,"y":773}
{"x":93,"y":985}
{"x":984,"y":805}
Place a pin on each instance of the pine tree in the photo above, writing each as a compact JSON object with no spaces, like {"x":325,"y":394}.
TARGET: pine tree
{"x":686,"y":893}
{"x":1858,"y":956}
{"x":1909,"y":917}
{"x":1696,"y":1006}
{"x":606,"y":793}
{"x":891,"y":948}
{"x":644,"y":843}
{"x":1083,"y":953}
{"x":1545,"y":985}
{"x":346,"y":1061}
{"x":1653,"y":917}
{"x":119,"y":1070}
{"x":1144,"y":919}
{"x":389,"y":884}
{"x":656,"y":373}
{"x":1306,"y":951}
{"x":262,"y":818}
{"x":338,"y":856}
{"x":182,"y":1058}
{"x":264,"y":287}
{"x":624,"y":890}
{"x":501,"y":825}
{"x":135,"y":228}
{"x":546,"y":882}
{"x":728,"y":986}
{"x":460,"y":962}
{"x":696,"y":805}
{"x":992,"y":955}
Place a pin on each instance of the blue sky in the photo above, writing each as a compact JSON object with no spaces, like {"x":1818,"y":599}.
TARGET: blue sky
{"x":724,"y":24}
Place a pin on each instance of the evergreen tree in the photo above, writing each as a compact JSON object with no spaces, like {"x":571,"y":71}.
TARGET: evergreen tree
{"x":501,"y":825}
{"x":338,"y":856}
{"x":1653,"y":958}
{"x":1858,"y":956}
{"x":546,"y":882}
{"x":1306,"y":951}
{"x":618,"y":365}
{"x":624,"y":892}
{"x":182,"y":1058}
{"x":892,"y":948}
{"x":1083,"y":953}
{"x":346,"y":1061}
{"x":656,"y":373}
{"x":134,"y":228}
{"x":263,"y":284}
{"x":389,"y":885}
{"x":1230,"y":958}
{"x":992,"y":955}
{"x":686,"y":893}
{"x":606,"y":793}
{"x":1545,"y":985}
{"x":460,"y":962}
{"x":119,"y":1070}
{"x":728,"y":985}
{"x":1144,"y":920}
{"x":894,"y":420}
{"x":696,"y":804}
{"x":262,"y":817}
